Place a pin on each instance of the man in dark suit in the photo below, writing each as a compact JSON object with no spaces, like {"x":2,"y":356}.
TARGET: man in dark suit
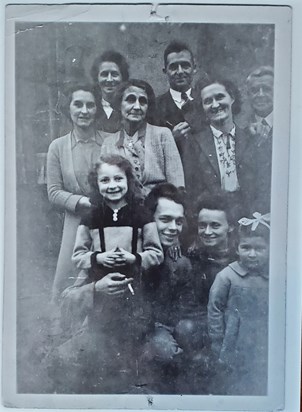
{"x":179,"y":108}
{"x":260,"y":88}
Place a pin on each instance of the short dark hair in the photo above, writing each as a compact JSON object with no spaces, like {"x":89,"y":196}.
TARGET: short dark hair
{"x":176,"y":47}
{"x":259,"y":72}
{"x":110,"y":56}
{"x":68,"y":91}
{"x":141,"y":84}
{"x":134,"y":194}
{"x":167,"y":191}
{"x":229,"y":86}
{"x":219,"y":202}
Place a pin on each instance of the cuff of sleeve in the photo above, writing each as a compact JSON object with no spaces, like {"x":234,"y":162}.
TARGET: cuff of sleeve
{"x":93,"y":259}
{"x":138,"y":260}
{"x":72,"y":201}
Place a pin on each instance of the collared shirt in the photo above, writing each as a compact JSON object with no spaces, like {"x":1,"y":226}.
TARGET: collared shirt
{"x":269,"y":119}
{"x":85,"y":153}
{"x":176,"y":96}
{"x":226,"y":156}
{"x":107,"y":108}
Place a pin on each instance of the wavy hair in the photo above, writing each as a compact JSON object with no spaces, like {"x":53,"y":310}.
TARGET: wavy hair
{"x":141,"y":84}
{"x":133,"y":196}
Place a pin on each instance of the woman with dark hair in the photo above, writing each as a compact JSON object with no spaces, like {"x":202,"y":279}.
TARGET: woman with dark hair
{"x":107,"y":72}
{"x":69,"y":160}
{"x":150,"y":149}
{"x":216,"y":159}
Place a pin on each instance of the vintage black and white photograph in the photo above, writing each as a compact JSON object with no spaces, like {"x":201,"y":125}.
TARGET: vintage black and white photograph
{"x":150,"y":172}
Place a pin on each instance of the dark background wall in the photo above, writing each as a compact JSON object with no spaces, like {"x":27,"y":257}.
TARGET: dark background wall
{"x":47,"y":55}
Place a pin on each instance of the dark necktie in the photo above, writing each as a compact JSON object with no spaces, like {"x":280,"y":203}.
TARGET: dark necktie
{"x":228,"y":137}
{"x":186,"y":105}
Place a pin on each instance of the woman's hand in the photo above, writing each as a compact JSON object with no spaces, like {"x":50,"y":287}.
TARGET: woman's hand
{"x":113,"y":284}
{"x":83,"y":203}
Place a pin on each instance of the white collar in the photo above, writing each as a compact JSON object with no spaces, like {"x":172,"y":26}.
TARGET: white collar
{"x":268,"y":119}
{"x":176,"y":95}
{"x":219,"y":133}
{"x":105,"y":103}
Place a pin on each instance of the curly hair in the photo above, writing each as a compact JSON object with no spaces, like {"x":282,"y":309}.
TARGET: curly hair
{"x":133,"y":196}
{"x":110,"y":56}
{"x":141,"y":84}
{"x":229,"y":86}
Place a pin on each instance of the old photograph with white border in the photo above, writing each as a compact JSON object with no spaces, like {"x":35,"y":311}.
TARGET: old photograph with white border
{"x":165,"y":289}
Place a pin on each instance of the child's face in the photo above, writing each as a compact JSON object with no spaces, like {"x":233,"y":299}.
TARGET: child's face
{"x":253,"y":252}
{"x":112,"y":183}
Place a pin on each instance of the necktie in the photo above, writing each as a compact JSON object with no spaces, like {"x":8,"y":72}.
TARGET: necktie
{"x":264,"y":122}
{"x":184,"y":97}
{"x":227,"y":137}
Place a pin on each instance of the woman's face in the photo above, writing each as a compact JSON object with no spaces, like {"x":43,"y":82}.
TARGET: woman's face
{"x":134,"y":105}
{"x":82,"y":108}
{"x":217,"y":103}
{"x":109,"y":77}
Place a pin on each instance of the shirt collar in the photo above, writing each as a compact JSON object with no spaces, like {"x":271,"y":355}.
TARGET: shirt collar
{"x":105,"y":103}
{"x":75,"y":140}
{"x":176,"y":95}
{"x":140,"y":135}
{"x":218,"y":133}
{"x":269,"y":119}
{"x":242,"y":271}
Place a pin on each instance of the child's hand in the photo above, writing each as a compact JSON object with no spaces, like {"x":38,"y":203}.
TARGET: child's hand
{"x":128,"y":257}
{"x":113,"y":284}
{"x":110,"y":259}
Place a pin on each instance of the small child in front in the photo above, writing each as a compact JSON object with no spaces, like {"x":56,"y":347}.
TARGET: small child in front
{"x":238,"y":314}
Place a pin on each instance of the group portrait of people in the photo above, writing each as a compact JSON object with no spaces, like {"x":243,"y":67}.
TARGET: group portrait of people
{"x":162,"y":278}
{"x":161,"y":284}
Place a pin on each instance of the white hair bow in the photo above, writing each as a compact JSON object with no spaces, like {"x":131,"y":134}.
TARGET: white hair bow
{"x":258,"y":218}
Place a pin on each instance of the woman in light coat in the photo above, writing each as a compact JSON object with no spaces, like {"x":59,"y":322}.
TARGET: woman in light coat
{"x":69,"y":161}
{"x":150,"y":149}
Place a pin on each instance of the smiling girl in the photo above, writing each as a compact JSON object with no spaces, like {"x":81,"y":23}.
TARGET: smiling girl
{"x":114,"y":245}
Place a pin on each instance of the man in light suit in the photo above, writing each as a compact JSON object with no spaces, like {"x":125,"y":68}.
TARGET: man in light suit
{"x":260,"y":88}
{"x":179,"y":108}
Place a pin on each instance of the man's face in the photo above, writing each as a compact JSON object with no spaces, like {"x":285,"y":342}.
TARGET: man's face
{"x":261,"y":94}
{"x":253,"y":252}
{"x":169,"y":218}
{"x":180,"y":69}
{"x":213,"y":229}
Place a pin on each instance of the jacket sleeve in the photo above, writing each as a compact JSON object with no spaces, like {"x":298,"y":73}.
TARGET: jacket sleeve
{"x":82,"y":253}
{"x":152,"y":254}
{"x":57,"y":193}
{"x":216,"y":310}
{"x":173,"y":166}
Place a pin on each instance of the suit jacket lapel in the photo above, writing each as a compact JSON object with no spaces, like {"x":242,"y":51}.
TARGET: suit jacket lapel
{"x":206,"y":143}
